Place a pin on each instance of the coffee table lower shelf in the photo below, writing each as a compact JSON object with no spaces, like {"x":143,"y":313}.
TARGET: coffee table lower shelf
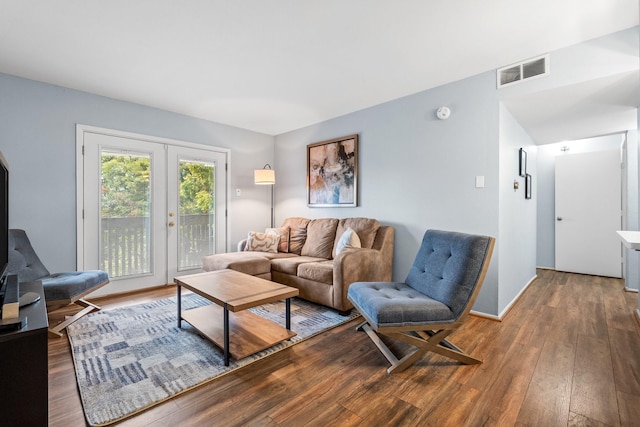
{"x":249,"y":333}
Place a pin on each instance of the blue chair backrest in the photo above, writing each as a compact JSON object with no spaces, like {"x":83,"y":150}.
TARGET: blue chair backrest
{"x":447,"y":267}
{"x":23,"y":259}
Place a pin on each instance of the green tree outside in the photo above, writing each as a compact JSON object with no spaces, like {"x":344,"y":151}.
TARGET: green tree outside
{"x":196,"y":189}
{"x":125,"y":186}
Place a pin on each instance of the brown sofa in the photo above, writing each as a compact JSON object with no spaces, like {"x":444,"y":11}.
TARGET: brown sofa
{"x":309,"y":257}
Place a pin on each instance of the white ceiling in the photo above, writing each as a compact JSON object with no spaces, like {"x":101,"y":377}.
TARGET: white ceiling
{"x":277,"y":65}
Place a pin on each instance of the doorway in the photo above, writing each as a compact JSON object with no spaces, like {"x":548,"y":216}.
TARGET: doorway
{"x":588,"y":207}
{"x":149,"y":208}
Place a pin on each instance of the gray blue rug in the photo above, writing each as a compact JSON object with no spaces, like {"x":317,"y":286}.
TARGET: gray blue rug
{"x":131,"y":358}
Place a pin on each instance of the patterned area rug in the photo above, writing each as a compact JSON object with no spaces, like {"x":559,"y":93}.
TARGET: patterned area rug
{"x":131,"y":358}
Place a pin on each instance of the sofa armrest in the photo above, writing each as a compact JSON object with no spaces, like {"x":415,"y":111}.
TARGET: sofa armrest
{"x":358,"y":265}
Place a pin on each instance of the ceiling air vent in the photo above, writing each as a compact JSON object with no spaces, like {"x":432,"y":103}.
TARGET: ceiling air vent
{"x":536,"y":67}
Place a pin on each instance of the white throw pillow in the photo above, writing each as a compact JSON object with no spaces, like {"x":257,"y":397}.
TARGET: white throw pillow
{"x":349,"y":239}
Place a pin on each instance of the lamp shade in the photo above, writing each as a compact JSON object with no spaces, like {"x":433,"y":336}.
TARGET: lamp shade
{"x":264,"y":176}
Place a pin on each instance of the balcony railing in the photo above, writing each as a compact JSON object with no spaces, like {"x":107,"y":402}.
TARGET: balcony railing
{"x":127,"y":248}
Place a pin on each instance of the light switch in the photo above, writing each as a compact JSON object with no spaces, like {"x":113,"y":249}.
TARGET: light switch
{"x":238,"y":192}
{"x":479,"y":181}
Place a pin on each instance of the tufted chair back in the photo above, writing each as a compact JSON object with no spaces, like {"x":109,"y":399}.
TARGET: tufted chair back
{"x":23,"y":260}
{"x":447,"y":267}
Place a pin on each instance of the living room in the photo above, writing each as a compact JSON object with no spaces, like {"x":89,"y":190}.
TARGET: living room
{"x":415,"y":171}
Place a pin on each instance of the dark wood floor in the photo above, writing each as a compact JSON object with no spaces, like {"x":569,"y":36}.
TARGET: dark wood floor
{"x":567,"y":354}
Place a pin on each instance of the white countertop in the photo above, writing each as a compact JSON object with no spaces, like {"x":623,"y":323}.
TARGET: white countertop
{"x":631,"y":239}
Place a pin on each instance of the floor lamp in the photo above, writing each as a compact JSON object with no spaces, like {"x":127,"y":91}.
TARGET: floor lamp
{"x":266,"y":176}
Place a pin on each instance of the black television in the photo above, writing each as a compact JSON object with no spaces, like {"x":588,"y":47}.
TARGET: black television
{"x":4,"y":220}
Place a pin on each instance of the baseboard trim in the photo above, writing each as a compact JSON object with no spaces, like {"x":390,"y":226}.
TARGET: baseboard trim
{"x":508,"y":307}
{"x":515,"y":300}
{"x":630,"y":290}
{"x":485,"y":315}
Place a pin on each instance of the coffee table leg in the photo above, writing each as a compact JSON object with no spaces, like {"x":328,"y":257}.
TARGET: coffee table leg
{"x":288,"y":312}
{"x":226,"y":335}
{"x":179,"y":307}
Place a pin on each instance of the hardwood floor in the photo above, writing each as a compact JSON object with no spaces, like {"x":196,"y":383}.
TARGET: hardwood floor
{"x":567,"y":354}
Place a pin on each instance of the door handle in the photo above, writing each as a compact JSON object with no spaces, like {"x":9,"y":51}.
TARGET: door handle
{"x":559,"y":218}
{"x":171,"y":223}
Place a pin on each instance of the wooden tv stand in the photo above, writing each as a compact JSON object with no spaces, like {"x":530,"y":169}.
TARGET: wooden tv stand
{"x":24,"y":368}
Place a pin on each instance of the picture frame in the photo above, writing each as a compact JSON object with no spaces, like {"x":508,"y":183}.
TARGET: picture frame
{"x":332,"y":172}
{"x":527,"y":186}
{"x":523,"y":163}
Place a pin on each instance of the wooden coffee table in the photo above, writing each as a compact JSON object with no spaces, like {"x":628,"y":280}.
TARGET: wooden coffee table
{"x":232,"y":293}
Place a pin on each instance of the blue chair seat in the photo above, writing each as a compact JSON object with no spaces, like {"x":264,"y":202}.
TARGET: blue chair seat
{"x":397,"y":304}
{"x":66,"y":287}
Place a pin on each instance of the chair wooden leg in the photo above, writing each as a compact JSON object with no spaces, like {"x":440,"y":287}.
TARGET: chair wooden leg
{"x":436,"y":342}
{"x":386,"y":351}
{"x":88,"y":308}
{"x":422,"y":342}
{"x":445,"y":348}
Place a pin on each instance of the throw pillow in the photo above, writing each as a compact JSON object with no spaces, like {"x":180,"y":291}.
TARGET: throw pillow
{"x":262,"y":242}
{"x":297,"y":237}
{"x":283,"y":232}
{"x":349,"y":239}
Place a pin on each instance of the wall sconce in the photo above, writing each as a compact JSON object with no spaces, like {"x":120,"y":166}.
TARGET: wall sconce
{"x":266,"y":176}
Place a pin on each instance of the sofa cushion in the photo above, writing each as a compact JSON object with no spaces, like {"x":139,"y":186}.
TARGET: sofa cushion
{"x":297,"y":237}
{"x":366,"y":228}
{"x":253,"y":263}
{"x":317,"y":271}
{"x":283,"y":233}
{"x":290,"y":265}
{"x":321,"y":234}
{"x":262,"y":242}
{"x":296,"y":222}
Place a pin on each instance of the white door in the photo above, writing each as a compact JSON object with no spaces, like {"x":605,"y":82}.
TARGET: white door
{"x":196,"y":207}
{"x":588,"y":206}
{"x":150,"y":208}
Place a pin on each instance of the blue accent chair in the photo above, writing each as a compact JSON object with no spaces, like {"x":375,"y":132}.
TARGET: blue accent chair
{"x":60,"y":289}
{"x":431,"y":303}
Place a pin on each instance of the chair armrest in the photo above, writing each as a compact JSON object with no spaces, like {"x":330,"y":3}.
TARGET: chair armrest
{"x":357,"y":265}
{"x":242,"y":244}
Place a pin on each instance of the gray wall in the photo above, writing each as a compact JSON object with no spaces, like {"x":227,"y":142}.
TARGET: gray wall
{"x":517,"y":214}
{"x":38,"y":138}
{"x":415,"y":171}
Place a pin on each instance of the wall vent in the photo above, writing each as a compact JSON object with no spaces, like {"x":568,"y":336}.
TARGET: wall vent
{"x":534,"y":67}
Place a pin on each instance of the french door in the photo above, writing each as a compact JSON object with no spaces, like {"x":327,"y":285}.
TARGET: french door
{"x":150,"y":207}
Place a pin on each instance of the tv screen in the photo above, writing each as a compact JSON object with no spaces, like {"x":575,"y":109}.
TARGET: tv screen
{"x":4,"y":217}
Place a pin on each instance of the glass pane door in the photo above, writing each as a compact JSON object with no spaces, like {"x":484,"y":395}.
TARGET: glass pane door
{"x":196,"y":233}
{"x":197,"y":223}
{"x":125,"y":199}
{"x":125,"y":214}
